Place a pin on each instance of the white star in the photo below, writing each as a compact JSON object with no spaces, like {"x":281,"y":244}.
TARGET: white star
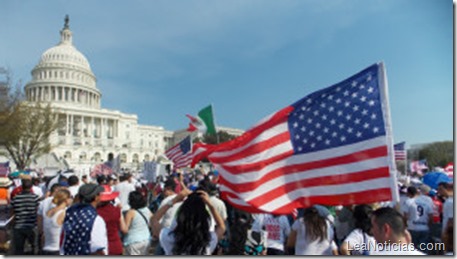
{"x":346,"y":93}
{"x":354,"y":84}
{"x":340,"y":113}
{"x":350,"y":130}
{"x":334,"y":134}
{"x":366,"y":125}
{"x":359,"y":134}
{"x":319,"y":138}
{"x":302,"y":116}
{"x":373,"y":116}
{"x":338,"y":100}
{"x":327,"y":142}
{"x":361,"y":86}
{"x":313,"y":145}
{"x":324,"y":117}
{"x":295,"y":124}
{"x":348,"y":117}
{"x":343,"y":138}
{"x":354,"y":95}
{"x":325,"y":130}
{"x":330,"y":109}
{"x":332,"y":122}
{"x":371,"y":103}
{"x":370,"y":89}
{"x":318,"y":125}
{"x":375,"y":129}
{"x":310,"y":120}
{"x":364,"y":112}
{"x":309,"y":100}
{"x":357,"y":121}
{"x":355,"y":108}
{"x":303,"y":128}
{"x":338,"y":89}
{"x":300,"y":148}
{"x":330,"y":97}
{"x":297,"y":136}
{"x":347,"y":103}
{"x":303,"y":108}
{"x":316,"y":112}
{"x":323,"y":105}
{"x":311,"y":133}
{"x":363,"y":98}
{"x":305,"y":141}
{"x":341,"y":126}
{"x":369,"y":78}
{"x":323,"y":95}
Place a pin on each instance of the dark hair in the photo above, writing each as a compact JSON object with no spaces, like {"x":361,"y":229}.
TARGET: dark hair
{"x":192,"y":234}
{"x":136,"y":200}
{"x":412,"y":190}
{"x":315,"y":224}
{"x":73,"y":180}
{"x":362,"y":217}
{"x":170,"y":184}
{"x":54,"y":187}
{"x":390,"y":217}
{"x":26,"y":184}
{"x":208,"y":186}
{"x":238,"y":231}
{"x":446,"y":185}
{"x":101,"y":179}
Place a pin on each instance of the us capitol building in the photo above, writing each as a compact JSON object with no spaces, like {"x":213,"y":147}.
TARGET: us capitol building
{"x":88,"y":133}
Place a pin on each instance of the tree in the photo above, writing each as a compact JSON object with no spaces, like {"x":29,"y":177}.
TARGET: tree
{"x":222,"y":136}
{"x":25,"y":128}
{"x":438,"y":153}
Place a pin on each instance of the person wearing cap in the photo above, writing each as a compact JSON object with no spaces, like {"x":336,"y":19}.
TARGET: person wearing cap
{"x":419,"y":215}
{"x":113,"y":218}
{"x":84,"y":231}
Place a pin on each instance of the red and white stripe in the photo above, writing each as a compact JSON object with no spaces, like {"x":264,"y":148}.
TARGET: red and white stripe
{"x":179,"y":159}
{"x":259,"y":171}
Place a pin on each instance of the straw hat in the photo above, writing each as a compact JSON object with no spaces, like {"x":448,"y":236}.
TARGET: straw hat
{"x":5,"y":182}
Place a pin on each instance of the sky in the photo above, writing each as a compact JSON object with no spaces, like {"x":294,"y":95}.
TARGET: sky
{"x":164,"y":59}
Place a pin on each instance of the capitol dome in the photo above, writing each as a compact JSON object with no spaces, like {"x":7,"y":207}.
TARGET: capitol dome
{"x":63,"y":75}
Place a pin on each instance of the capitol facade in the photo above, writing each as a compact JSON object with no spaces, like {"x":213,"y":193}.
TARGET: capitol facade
{"x":87,"y":132}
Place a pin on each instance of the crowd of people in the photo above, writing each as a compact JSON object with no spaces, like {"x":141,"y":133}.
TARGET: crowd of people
{"x":182,"y":214}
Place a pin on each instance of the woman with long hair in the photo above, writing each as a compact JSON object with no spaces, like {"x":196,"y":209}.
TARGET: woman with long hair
{"x":53,"y":220}
{"x":191,"y":233}
{"x":137,"y":239}
{"x":312,"y":235}
{"x":361,"y":236}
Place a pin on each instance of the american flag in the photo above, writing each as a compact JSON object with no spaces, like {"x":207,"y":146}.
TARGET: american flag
{"x":181,"y":153}
{"x":333,"y":147}
{"x":4,"y":169}
{"x":415,"y":166}
{"x":400,"y":151}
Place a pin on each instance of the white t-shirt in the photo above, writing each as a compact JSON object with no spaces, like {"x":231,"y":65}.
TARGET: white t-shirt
{"x":315,"y":247}
{"x":278,"y":229}
{"x":125,"y":188}
{"x":219,"y":205}
{"x":167,"y":242}
{"x":37,"y":190}
{"x":168,"y":217}
{"x":419,"y":210}
{"x":44,"y":206}
{"x":73,"y":190}
{"x":448,"y":211}
{"x":358,"y":239}
{"x":51,"y":231}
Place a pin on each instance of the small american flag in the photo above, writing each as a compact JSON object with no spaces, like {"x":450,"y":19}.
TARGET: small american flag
{"x":181,"y":153}
{"x":4,"y":169}
{"x":101,"y":169}
{"x":333,"y":147}
{"x":400,"y":151}
{"x":416,"y":166}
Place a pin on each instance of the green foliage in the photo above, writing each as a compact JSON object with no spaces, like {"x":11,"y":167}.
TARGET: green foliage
{"x":438,"y":153}
{"x":25,"y":128}
{"x":222,"y":136}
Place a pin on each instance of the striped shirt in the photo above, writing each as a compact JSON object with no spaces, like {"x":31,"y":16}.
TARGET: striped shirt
{"x":25,"y":205}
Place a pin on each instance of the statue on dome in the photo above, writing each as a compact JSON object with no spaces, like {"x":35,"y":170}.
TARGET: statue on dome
{"x":67,"y":20}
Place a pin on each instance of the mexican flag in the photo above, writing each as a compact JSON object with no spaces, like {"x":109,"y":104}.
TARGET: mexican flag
{"x":204,"y":122}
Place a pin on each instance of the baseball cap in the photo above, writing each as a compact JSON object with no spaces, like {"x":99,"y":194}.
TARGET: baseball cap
{"x":90,"y":190}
